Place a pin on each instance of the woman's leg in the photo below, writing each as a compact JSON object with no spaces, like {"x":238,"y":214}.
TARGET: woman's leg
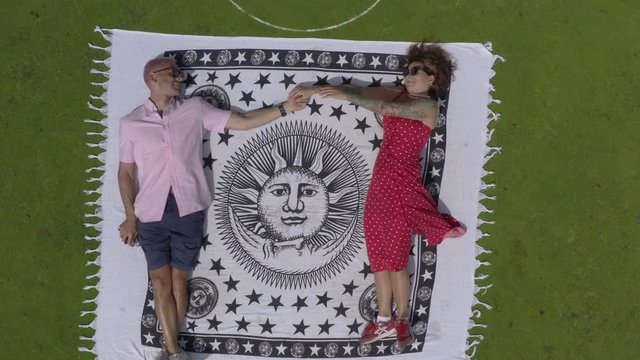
{"x":399,"y":282}
{"x":384,"y":293}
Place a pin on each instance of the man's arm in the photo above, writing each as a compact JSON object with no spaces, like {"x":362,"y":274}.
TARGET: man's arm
{"x":423,"y":109}
{"x":258,"y":117}
{"x":127,"y":184}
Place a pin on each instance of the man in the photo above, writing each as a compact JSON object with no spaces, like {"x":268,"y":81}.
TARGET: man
{"x":161,"y":148}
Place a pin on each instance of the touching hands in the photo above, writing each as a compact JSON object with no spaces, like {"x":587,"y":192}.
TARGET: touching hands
{"x":299,"y":96}
{"x":129,"y":231}
{"x":296,"y":101}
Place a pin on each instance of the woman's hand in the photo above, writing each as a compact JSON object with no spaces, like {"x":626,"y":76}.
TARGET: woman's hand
{"x":335,"y":92}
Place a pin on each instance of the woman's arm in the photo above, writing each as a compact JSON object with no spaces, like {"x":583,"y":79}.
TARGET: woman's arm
{"x":423,"y":109}
{"x":377,"y":93}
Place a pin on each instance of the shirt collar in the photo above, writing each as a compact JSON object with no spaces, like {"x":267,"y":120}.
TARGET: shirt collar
{"x":151,"y":108}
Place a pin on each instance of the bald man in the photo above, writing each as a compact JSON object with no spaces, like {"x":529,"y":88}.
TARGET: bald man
{"x":161,"y":149}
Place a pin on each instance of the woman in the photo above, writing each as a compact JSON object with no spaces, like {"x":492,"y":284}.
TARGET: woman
{"x":397,"y":204}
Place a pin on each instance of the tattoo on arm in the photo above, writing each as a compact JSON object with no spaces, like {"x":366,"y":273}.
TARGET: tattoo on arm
{"x":416,"y":109}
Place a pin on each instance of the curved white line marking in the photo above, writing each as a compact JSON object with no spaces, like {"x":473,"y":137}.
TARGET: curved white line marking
{"x":305,"y":30}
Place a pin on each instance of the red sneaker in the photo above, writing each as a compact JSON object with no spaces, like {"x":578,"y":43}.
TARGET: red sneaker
{"x":403,"y":332}
{"x":376,"y":331}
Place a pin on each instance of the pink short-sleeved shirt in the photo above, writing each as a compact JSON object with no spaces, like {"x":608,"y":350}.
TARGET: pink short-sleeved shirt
{"x":167,"y":152}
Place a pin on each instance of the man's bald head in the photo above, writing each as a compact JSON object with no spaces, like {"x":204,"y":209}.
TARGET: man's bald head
{"x":155,"y":65}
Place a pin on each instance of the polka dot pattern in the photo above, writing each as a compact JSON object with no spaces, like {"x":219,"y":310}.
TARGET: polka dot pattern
{"x":397,"y":204}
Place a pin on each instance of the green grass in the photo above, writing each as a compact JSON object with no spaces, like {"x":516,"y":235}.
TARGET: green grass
{"x":568,"y":211}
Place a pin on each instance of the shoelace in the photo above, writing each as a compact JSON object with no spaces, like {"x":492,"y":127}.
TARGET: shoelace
{"x":380,"y":328}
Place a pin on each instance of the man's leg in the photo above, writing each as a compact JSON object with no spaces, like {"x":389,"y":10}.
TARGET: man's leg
{"x":179,"y":286}
{"x":165,"y":304}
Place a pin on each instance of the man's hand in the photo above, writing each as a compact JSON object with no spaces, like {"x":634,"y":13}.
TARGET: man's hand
{"x":129,"y":231}
{"x":305,"y":93}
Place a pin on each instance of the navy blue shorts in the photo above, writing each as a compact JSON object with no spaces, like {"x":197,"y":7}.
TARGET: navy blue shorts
{"x":173,"y":240}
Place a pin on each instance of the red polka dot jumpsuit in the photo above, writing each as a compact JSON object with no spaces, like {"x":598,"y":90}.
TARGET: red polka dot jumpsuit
{"x":397,"y":203}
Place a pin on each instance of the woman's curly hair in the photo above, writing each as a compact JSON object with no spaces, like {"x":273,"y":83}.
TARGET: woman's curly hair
{"x":437,"y":62}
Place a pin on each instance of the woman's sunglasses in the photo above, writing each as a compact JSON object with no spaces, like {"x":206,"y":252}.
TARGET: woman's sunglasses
{"x":414,"y":70}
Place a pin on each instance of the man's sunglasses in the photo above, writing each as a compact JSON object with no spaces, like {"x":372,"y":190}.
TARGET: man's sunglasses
{"x":174,"y":71}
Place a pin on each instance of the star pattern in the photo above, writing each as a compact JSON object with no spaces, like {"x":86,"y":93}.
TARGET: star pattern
{"x":232,"y":307}
{"x":191,"y":326}
{"x":341,"y":310}
{"x":211,"y":77}
{"x":288,"y":80}
{"x":266,"y":327}
{"x":321,"y":81}
{"x":300,"y":328}
{"x":337,"y":112}
{"x":148,"y":338}
{"x":264,"y":80}
{"x":324,"y":299}
{"x":300,"y":303}
{"x":315,"y":107}
{"x":240,"y":58}
{"x":254,"y":297}
{"x":274,"y":58}
{"x":376,"y":62}
{"x":314,"y":349}
{"x":324,"y":328}
{"x":354,"y":328}
{"x":438,"y":137}
{"x":342,"y":59}
{"x":348,"y":288}
{"x":275,"y":302}
{"x":427,"y":275}
{"x":215,"y":345}
{"x":224,"y":137}
{"x":207,"y":162}
{"x":205,"y":242}
{"x":362,"y":124}
{"x":213,"y":323}
{"x":416,"y":345}
{"x":242,"y":324}
{"x":190,"y":80}
{"x":231,"y":284}
{"x":375,"y":142}
{"x":308,"y":59}
{"x":366,"y":270}
{"x":421,"y":310}
{"x":347,"y":349}
{"x":233,"y":80}
{"x":206,"y":58}
{"x":281,"y":349}
{"x":247,"y":98}
{"x":217,"y":266}
{"x":248,"y":347}
{"x":375,"y":82}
